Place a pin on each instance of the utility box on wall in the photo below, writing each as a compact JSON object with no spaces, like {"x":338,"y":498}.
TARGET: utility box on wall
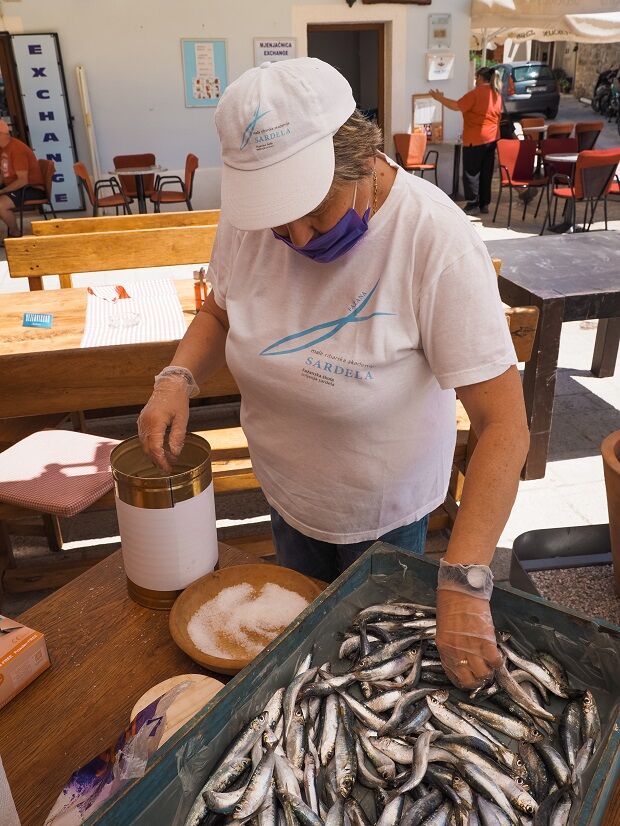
{"x":46,"y":110}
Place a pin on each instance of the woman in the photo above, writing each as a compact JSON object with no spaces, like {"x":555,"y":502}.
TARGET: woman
{"x":482,"y":110}
{"x":350,"y":299}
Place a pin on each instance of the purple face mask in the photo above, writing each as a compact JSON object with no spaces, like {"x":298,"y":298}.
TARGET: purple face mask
{"x":336,"y":241}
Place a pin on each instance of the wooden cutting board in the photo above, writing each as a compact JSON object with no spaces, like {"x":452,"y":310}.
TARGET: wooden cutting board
{"x":197,"y":694}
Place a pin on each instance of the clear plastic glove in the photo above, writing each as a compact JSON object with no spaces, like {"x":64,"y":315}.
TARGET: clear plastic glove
{"x":168,"y":408}
{"x":466,"y":638}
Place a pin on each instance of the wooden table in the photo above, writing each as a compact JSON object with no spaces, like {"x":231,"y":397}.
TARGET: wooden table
{"x":569,"y":278}
{"x":63,"y":376}
{"x":106,"y":651}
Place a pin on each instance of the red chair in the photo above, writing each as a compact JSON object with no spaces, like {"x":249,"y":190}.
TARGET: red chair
{"x":587,"y":133}
{"x":97,"y":201}
{"x":516,"y":161}
{"x":410,"y":148}
{"x":593,"y":179}
{"x":175,"y":196}
{"x":553,"y":146}
{"x":128,"y":182}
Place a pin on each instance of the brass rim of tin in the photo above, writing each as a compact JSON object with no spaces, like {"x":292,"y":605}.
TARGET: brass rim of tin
{"x":139,"y":483}
{"x":158,"y":600}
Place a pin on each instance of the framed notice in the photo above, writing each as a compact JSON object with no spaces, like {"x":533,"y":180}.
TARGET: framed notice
{"x":205,"y":72}
{"x":427,"y":116}
{"x":274,"y":48}
{"x":439,"y":31}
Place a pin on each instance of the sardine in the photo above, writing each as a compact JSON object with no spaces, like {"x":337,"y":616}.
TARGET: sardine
{"x":541,"y":674}
{"x":514,"y":690}
{"x":257,"y":788}
{"x":570,"y":732}
{"x":591,"y":723}
{"x":504,"y":723}
{"x":422,"y":809}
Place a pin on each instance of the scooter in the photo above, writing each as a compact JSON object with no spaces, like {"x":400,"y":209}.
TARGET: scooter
{"x":602,"y":90}
{"x":613,"y":110}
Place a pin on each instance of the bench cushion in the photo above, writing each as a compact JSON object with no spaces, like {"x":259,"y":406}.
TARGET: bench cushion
{"x":56,"y":471}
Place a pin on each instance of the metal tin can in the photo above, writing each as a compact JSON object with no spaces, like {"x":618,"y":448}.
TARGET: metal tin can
{"x":166,"y":523}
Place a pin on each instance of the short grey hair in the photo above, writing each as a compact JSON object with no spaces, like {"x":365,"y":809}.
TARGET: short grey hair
{"x":355,"y":144}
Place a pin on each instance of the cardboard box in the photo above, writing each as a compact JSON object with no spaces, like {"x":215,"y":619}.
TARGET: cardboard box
{"x":23,"y":656}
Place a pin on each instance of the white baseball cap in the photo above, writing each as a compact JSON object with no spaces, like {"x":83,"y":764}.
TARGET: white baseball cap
{"x":276,"y":124}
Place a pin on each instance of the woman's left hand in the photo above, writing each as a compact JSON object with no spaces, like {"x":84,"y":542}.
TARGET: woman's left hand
{"x":466,"y":638}
{"x":436,"y":94}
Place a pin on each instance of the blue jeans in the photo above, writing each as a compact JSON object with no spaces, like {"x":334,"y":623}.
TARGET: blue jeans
{"x":326,"y":560}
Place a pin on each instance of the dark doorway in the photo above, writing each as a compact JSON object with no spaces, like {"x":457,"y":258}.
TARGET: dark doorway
{"x":357,"y":51}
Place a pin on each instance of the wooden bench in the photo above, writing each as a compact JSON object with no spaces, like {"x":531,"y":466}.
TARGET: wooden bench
{"x":113,"y":223}
{"x":33,"y":257}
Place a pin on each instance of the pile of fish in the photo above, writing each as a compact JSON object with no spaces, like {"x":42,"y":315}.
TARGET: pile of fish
{"x":385,"y":738}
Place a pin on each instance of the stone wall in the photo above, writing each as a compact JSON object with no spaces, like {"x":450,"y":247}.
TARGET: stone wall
{"x":593,"y":58}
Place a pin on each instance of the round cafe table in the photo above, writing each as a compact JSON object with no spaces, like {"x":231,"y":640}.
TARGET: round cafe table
{"x":532,"y":130}
{"x":139,"y":172}
{"x":562,"y":157}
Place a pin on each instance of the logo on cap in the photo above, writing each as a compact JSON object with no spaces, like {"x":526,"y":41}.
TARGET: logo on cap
{"x":249,"y":129}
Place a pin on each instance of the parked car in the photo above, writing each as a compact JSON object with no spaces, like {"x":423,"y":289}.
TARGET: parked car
{"x":528,"y":87}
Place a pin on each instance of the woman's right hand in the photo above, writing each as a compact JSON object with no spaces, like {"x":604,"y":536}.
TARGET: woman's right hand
{"x":168,"y":408}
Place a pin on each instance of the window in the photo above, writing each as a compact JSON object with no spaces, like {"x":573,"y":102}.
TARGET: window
{"x":522,"y":73}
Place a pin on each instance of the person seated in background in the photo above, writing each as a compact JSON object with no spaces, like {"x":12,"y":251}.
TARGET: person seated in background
{"x":20,"y":177}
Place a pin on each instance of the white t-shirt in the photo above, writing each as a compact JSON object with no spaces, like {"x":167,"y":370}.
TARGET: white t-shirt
{"x":346,"y":369}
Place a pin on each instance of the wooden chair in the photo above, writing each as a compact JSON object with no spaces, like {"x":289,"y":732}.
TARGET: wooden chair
{"x":93,"y":193}
{"x":47,"y":172}
{"x":516,"y":162}
{"x":128,"y":182}
{"x":560,"y":130}
{"x":591,"y":183}
{"x":587,"y":133}
{"x":163,"y":195}
{"x":112,"y":223}
{"x":410,"y":148}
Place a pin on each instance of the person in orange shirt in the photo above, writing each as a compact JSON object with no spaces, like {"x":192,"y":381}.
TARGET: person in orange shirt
{"x":20,"y":177}
{"x":482,"y":109}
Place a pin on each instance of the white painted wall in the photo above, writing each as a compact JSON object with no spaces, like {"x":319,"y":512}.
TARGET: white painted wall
{"x":132,"y":55}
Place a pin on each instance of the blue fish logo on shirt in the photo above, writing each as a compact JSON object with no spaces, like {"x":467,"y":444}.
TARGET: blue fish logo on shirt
{"x":279,"y":348}
{"x":250,"y":128}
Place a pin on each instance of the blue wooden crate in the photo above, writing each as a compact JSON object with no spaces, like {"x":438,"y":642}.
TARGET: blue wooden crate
{"x":590,"y":651}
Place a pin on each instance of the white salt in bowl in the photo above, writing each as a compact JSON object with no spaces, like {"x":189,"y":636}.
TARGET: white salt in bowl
{"x":223,"y":620}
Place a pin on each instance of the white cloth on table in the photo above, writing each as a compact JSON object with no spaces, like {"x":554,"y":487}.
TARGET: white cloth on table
{"x":155,"y":303}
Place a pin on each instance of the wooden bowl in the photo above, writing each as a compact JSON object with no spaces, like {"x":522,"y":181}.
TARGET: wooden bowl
{"x":209,"y":586}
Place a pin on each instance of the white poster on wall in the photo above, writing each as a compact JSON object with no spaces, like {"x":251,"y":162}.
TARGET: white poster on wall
{"x":439,"y":65}
{"x":272,"y":49}
{"x":39,"y":68}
